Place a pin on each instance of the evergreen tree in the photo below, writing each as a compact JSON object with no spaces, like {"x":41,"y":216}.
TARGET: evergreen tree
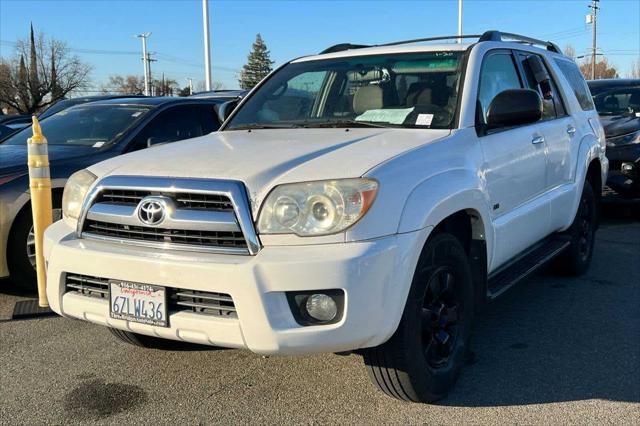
{"x":258,"y":65}
{"x":33,"y":64}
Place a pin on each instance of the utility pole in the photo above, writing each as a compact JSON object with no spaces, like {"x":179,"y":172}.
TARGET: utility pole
{"x":460,"y":20}
{"x":594,"y":8}
{"x":207,"y":50}
{"x":150,"y":79}
{"x":190,"y":80}
{"x":145,"y":61}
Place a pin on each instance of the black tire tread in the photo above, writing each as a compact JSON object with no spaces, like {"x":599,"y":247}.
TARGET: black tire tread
{"x":387,"y":365}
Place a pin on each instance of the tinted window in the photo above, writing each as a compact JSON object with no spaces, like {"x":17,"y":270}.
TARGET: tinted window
{"x":174,"y":124}
{"x":88,"y":125}
{"x":497,"y":75}
{"x":618,"y":101}
{"x":576,"y":81}
{"x":551,"y":106}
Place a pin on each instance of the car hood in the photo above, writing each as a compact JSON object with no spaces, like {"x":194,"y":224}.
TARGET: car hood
{"x":14,"y":157}
{"x":618,"y":125}
{"x":263,"y":158}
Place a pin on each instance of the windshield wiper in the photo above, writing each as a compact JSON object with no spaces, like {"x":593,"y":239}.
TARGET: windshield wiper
{"x":347,"y":123}
{"x":255,"y":126}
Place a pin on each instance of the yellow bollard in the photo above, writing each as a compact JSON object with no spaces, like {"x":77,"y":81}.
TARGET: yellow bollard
{"x":40,"y":186}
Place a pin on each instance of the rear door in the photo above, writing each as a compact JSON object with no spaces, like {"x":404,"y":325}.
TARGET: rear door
{"x":556,"y":126}
{"x":514,"y":168}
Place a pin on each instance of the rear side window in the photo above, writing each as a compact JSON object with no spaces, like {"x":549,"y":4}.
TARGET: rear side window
{"x":497,"y":75}
{"x":551,"y":107}
{"x":580,"y":89}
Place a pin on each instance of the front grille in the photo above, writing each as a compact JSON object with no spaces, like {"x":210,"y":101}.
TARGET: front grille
{"x":160,"y":235}
{"x":180,"y":300}
{"x":208,"y":303}
{"x":87,"y":286}
{"x":186,"y":200}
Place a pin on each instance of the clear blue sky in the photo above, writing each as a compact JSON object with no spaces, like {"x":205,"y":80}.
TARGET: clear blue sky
{"x":297,"y":28}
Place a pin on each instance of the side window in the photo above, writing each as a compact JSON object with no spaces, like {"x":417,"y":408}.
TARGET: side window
{"x":173,"y":124}
{"x":551,"y":107}
{"x":297,"y":100}
{"x":498,"y":74}
{"x":577,"y":83}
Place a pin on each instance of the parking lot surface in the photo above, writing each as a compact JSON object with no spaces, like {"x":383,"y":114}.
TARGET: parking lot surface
{"x":552,"y":350}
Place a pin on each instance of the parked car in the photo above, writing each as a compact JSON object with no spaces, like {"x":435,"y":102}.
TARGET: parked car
{"x":618,"y":103}
{"x":366,"y":198}
{"x":227,"y":95}
{"x":5,"y":131}
{"x":66,"y":103}
{"x":78,"y":137}
{"x":15,"y":121}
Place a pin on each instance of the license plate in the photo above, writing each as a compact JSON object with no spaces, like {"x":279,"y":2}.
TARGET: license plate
{"x":143,"y":303}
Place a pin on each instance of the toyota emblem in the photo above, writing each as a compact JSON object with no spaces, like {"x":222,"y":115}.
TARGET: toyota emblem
{"x":151,"y":212}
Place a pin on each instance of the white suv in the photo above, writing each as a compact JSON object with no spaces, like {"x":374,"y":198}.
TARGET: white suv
{"x":370,"y":199}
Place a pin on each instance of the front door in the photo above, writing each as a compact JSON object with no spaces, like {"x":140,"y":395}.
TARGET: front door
{"x":514,"y":168}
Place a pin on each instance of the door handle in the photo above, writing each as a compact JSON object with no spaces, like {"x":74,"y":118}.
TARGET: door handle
{"x":537,"y":139}
{"x":571,"y":130}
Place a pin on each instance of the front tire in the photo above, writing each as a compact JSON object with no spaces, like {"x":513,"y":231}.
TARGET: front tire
{"x":422,"y":360}
{"x":21,"y":247}
{"x":140,"y":340}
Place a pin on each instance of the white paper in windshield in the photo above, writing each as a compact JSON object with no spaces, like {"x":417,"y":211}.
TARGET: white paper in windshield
{"x":391,"y":116}
{"x":98,"y":144}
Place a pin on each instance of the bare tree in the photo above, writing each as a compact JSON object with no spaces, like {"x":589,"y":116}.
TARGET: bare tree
{"x":569,"y":51}
{"x":124,"y":84}
{"x":134,"y":85}
{"x":50,"y":74}
{"x":603,"y":69}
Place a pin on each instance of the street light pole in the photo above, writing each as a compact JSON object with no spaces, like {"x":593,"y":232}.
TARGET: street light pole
{"x":145,"y":61}
{"x":207,"y":49}
{"x":460,"y":20}
{"x":594,"y":7}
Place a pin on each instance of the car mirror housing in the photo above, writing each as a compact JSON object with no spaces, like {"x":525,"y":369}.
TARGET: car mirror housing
{"x":514,"y":107}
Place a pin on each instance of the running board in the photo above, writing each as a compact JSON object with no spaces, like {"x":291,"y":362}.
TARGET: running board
{"x":524,"y":265}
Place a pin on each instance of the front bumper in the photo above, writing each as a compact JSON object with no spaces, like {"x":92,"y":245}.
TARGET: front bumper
{"x":374,"y":275}
{"x":624,"y":182}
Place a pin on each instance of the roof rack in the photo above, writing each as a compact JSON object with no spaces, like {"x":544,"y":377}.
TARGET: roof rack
{"x":498,"y":36}
{"x":486,"y":36}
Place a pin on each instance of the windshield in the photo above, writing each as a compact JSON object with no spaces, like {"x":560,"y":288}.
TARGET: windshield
{"x":84,"y":125}
{"x":619,"y":101}
{"x":402,"y":90}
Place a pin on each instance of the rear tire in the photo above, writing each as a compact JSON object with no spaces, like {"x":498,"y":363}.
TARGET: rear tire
{"x":575,"y":260}
{"x":422,"y":360}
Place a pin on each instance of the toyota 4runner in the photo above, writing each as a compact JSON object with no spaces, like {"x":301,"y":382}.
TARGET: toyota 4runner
{"x":368,"y":199}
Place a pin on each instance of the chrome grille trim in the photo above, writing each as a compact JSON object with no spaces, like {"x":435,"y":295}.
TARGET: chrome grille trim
{"x":202,"y":191}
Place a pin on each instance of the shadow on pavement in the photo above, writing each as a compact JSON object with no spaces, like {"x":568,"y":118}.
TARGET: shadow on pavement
{"x":553,"y":338}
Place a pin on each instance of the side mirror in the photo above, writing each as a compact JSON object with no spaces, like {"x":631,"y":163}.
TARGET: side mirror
{"x":514,"y":107}
{"x":225,"y":110}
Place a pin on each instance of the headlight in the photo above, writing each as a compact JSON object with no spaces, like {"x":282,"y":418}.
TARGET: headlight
{"x":74,"y":192}
{"x":316,"y":208}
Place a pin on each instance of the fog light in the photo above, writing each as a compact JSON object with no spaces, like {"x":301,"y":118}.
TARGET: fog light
{"x":321,"y":307}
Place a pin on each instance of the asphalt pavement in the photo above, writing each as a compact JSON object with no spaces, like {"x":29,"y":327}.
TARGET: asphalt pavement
{"x":553,"y":350}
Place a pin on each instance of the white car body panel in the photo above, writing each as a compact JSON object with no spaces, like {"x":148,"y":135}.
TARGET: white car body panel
{"x":516,"y":193}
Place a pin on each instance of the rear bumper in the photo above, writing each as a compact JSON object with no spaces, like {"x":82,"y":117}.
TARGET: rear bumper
{"x":374,"y":275}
